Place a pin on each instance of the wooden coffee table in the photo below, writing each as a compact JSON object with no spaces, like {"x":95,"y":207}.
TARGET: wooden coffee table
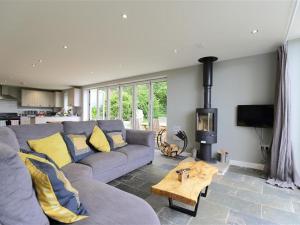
{"x":189,"y":191}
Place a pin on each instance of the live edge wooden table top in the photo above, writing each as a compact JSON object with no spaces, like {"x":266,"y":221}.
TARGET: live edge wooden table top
{"x":189,"y":191}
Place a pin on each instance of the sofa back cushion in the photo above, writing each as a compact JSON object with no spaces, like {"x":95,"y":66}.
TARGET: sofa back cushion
{"x":28,"y":132}
{"x":7,"y":136}
{"x":18,"y":203}
{"x":112,"y":125}
{"x":79,"y":127}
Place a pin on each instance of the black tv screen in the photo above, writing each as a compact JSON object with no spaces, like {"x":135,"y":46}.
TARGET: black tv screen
{"x":255,"y":115}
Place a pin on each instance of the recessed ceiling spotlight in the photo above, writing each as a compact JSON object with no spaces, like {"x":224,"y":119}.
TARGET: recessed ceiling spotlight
{"x":175,"y":51}
{"x":40,"y":60}
{"x":65,"y":46}
{"x":124,"y":16}
{"x":254,"y":31}
{"x":33,"y":65}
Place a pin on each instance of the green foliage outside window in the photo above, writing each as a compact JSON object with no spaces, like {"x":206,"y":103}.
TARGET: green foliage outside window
{"x":159,"y":101}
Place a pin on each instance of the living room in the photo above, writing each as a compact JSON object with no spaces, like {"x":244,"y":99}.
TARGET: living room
{"x":167,"y":112}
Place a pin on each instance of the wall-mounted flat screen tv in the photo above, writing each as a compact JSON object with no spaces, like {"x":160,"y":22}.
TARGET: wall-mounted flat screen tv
{"x":255,"y":115}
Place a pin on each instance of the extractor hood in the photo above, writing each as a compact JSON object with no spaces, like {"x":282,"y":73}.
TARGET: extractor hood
{"x":6,"y":97}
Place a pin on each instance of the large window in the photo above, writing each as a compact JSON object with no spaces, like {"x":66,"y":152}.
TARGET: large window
{"x":143,"y":107}
{"x":102,"y":104}
{"x":159,"y":118}
{"x":140,"y":105}
{"x":93,"y":105}
{"x":113,"y":103}
{"x":127,"y":106}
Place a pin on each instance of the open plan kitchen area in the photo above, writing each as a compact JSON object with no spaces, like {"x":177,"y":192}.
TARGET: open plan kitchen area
{"x":35,"y":106}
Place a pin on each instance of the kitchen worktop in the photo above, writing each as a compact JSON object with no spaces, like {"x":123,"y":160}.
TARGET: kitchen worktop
{"x":48,"y":119}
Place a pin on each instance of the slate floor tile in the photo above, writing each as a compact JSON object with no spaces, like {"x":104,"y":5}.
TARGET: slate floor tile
{"x":276,"y":191}
{"x":280,"y":216}
{"x":244,"y":185}
{"x":224,"y":189}
{"x":237,"y":218}
{"x":268,"y":200}
{"x":235,"y":203}
{"x":296,"y":206}
{"x":210,"y":213}
{"x":174,"y":216}
{"x":133,"y":191}
{"x":157,"y":202}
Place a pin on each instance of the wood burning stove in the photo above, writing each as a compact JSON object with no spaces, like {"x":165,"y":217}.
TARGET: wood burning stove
{"x":207,"y":117}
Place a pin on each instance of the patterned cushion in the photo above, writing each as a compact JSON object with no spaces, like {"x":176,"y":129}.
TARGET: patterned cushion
{"x":57,"y":197}
{"x":115,"y":139}
{"x":77,"y":146}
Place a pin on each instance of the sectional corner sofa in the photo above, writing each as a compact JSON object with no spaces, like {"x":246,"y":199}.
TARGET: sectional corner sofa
{"x":106,"y":205}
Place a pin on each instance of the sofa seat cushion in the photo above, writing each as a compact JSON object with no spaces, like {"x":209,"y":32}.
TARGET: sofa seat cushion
{"x":77,"y":171}
{"x":108,"y":205}
{"x":135,"y":152}
{"x":104,"y":161}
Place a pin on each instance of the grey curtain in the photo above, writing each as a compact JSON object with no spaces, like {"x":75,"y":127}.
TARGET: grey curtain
{"x":282,"y":164}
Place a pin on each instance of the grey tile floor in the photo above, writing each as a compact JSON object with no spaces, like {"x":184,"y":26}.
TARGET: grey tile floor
{"x":241,"y":197}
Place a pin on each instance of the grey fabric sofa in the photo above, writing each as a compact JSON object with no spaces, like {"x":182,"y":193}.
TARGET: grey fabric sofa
{"x":106,"y":205}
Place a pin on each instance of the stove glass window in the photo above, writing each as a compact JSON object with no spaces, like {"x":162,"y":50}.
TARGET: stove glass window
{"x":205,"y":122}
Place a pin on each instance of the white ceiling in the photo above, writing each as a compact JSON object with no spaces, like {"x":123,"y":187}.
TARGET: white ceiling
{"x":294,"y":31}
{"x":102,"y":46}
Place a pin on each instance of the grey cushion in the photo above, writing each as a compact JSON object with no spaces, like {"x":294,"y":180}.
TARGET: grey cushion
{"x":102,"y":161}
{"x":18,"y":203}
{"x":135,"y":152}
{"x":79,"y":127}
{"x":112,"y":125}
{"x":76,"y":171}
{"x":110,"y":206}
{"x":7,"y":136}
{"x":27,"y":132}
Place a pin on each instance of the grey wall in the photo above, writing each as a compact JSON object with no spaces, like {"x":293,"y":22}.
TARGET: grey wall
{"x":294,"y":72}
{"x":249,"y":80}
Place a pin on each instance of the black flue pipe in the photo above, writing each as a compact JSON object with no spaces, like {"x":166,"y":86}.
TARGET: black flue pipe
{"x":207,"y":78}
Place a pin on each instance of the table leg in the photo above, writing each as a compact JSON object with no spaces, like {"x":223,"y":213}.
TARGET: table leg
{"x":188,"y":211}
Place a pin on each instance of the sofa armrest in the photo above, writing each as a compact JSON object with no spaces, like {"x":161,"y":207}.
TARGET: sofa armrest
{"x":140,"y":137}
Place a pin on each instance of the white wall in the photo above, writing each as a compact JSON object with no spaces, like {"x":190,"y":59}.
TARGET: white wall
{"x":249,"y":80}
{"x":294,"y":72}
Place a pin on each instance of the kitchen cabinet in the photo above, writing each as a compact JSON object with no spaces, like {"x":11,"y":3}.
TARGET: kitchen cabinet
{"x":36,"y":98}
{"x":58,"y":99}
{"x":74,"y":97}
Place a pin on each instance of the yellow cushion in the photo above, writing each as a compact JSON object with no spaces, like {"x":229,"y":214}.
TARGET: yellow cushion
{"x":54,"y":147}
{"x":58,"y":199}
{"x":99,"y":140}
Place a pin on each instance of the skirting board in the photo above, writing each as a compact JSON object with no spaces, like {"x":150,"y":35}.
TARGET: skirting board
{"x":257,"y":166}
